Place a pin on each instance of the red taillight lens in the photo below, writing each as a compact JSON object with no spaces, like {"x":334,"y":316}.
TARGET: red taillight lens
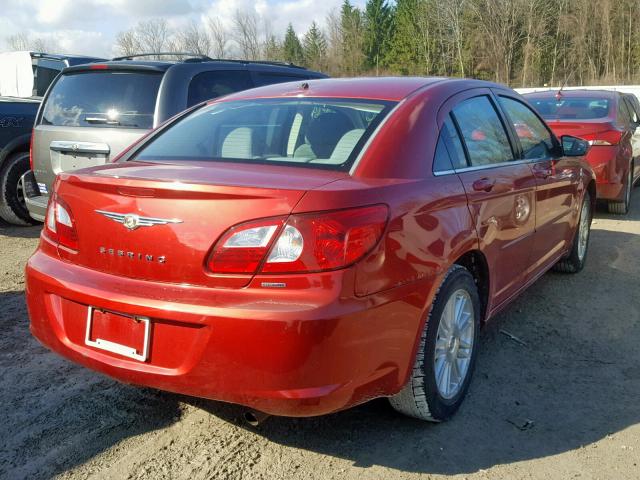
{"x":31,"y":150}
{"x":59,"y":224}
{"x":609,"y":137}
{"x":306,"y":243}
{"x":242,"y":248}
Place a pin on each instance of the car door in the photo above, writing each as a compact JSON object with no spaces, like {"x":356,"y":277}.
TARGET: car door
{"x":500,"y":189}
{"x":555,"y":178}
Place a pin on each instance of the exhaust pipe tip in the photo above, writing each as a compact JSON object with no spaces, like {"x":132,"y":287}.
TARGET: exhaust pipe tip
{"x":254,"y":418}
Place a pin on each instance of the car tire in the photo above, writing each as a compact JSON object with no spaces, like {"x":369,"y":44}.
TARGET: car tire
{"x":12,"y":207}
{"x":423,"y":397}
{"x":622,"y":208}
{"x":577,"y":258}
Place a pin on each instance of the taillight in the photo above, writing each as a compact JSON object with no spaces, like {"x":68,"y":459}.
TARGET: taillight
{"x":312,"y":242}
{"x":608,"y":137}
{"x":31,"y":150}
{"x":60,"y":225}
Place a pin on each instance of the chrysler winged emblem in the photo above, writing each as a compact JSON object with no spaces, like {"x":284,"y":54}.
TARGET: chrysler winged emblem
{"x":131,"y":221}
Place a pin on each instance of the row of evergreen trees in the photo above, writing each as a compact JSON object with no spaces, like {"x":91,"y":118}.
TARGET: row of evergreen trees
{"x":518,"y":42}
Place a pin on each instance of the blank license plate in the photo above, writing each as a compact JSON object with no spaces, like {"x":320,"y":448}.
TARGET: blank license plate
{"x":126,"y":335}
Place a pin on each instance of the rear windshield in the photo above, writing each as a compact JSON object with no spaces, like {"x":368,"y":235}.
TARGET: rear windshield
{"x":103,"y":99}
{"x":573,"y":108}
{"x":321,"y":133}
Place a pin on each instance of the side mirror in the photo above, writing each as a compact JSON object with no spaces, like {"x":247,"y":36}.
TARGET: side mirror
{"x":574,"y":146}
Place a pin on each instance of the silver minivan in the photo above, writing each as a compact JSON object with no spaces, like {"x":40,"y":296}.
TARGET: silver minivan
{"x":93,"y":112}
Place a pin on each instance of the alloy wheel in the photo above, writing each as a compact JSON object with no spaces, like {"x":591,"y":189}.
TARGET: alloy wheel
{"x":454,"y":344}
{"x":583,"y":232}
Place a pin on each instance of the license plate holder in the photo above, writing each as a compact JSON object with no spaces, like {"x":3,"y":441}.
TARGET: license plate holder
{"x":115,"y":347}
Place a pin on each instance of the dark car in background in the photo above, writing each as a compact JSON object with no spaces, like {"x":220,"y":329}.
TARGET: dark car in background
{"x":93,"y":112}
{"x":609,"y":121}
{"x":19,"y":102}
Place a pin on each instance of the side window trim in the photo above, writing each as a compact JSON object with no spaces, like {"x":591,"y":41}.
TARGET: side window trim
{"x":554,"y":139}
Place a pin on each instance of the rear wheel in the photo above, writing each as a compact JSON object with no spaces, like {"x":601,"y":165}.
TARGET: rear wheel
{"x":622,"y":208}
{"x":578,"y":255}
{"x":447,"y":352}
{"x":12,"y":206}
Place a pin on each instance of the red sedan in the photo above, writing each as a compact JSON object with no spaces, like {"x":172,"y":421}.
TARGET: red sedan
{"x":303,"y":248}
{"x":609,"y":121}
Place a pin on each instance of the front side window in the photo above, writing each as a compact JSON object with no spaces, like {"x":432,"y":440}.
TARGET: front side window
{"x":323,"y":133}
{"x":103,"y":98}
{"x":535,"y":139}
{"x":482,"y":131}
{"x":214,"y":84}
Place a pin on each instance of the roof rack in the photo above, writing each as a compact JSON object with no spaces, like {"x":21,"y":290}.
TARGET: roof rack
{"x":163,"y":54}
{"x":205,"y":58}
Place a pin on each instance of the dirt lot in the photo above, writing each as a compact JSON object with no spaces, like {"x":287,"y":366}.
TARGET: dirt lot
{"x":566,"y":405}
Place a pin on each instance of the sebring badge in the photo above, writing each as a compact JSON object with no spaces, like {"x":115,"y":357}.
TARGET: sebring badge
{"x":132,"y":221}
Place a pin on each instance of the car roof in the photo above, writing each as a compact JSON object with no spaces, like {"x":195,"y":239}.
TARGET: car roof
{"x":374,"y":88}
{"x":575,"y":93}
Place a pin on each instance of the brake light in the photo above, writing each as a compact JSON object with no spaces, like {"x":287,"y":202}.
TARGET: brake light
{"x":60,"y":225}
{"x":31,"y":150}
{"x":608,"y":137}
{"x":98,"y":66}
{"x":312,"y":242}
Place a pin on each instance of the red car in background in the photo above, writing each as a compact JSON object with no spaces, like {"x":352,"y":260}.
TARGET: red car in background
{"x":609,"y":121}
{"x":305,"y":247}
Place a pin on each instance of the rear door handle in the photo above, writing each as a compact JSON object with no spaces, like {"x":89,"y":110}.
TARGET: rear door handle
{"x":483,"y":185}
{"x":79,"y":147}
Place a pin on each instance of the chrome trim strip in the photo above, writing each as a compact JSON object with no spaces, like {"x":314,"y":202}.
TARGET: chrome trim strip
{"x":480,"y":167}
{"x":79,"y":147}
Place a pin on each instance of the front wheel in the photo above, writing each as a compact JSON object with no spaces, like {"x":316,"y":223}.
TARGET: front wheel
{"x":576,"y":259}
{"x":12,"y":205}
{"x":447,"y":352}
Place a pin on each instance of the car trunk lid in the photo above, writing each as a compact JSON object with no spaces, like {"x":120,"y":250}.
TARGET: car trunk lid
{"x":181,"y":211}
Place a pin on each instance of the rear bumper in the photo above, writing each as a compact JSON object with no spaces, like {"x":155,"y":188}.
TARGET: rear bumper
{"x":302,"y":353}
{"x":609,"y":166}
{"x":36,"y":202}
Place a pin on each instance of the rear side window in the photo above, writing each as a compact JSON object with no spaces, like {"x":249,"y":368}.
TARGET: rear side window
{"x":449,"y":151}
{"x":103,"y":99}
{"x":624,"y":116}
{"x":44,"y":77}
{"x":535,"y":139}
{"x":632,"y":109}
{"x":214,"y":84}
{"x":264,"y":78}
{"x":482,"y":131}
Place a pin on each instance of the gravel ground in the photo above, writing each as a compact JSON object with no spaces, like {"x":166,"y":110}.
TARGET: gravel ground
{"x":564,"y":405}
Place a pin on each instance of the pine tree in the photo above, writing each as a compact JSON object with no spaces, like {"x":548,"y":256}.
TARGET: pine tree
{"x":315,"y":48}
{"x":378,"y":30}
{"x":352,"y":26}
{"x":292,"y":48}
{"x":273,"y":49}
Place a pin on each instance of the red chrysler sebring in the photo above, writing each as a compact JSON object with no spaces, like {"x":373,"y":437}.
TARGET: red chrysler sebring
{"x":303,"y":248}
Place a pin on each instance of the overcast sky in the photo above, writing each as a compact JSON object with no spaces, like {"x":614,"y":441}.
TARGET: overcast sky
{"x":90,"y":26}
